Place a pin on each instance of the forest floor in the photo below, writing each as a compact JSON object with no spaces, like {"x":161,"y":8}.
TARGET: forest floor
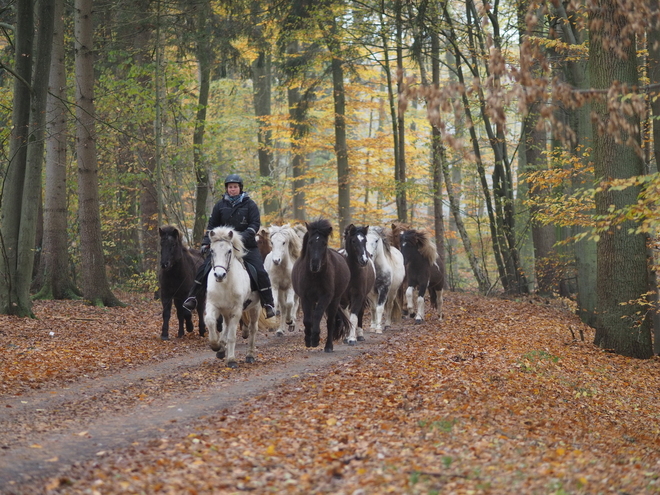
{"x":501,"y":396}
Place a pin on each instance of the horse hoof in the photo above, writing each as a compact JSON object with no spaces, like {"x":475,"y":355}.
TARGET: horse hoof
{"x":232,"y":364}
{"x":328,"y":349}
{"x":419,"y":322}
{"x":279,"y":333}
{"x":220,"y":354}
{"x":351,"y":342}
{"x":249,"y":359}
{"x":292,"y":328}
{"x":164,"y":337}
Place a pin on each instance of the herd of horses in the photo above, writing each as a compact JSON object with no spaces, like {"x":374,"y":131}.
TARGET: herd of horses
{"x":387,"y":271}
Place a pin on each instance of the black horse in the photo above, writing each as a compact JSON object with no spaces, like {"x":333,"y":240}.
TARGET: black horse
{"x":320,"y":276}
{"x":424,"y":270}
{"x":363,"y":276}
{"x":178,"y":266}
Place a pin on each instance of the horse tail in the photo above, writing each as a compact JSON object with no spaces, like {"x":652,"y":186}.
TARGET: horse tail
{"x":342,"y":325}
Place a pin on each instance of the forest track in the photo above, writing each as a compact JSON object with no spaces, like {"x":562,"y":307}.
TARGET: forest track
{"x":46,"y":432}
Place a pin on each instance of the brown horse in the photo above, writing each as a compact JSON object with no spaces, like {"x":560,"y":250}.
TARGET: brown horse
{"x":424,"y":270}
{"x":320,"y":276}
{"x":263,"y":243}
{"x":178,"y":266}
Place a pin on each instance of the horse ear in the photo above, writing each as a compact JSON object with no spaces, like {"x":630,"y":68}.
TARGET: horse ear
{"x":160,"y":231}
{"x":231,"y":234}
{"x":175,"y":232}
{"x":210,"y":233}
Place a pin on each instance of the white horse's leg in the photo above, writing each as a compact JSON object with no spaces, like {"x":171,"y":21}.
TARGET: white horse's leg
{"x":211,"y":321}
{"x":420,"y":309}
{"x":352,"y":336}
{"x":409,"y":299}
{"x":283,"y":311}
{"x":389,"y":306}
{"x":379,"y":318}
{"x":289,"y":315}
{"x":254,"y":326}
{"x":229,"y":332}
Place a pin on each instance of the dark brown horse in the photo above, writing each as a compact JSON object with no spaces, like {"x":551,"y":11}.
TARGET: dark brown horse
{"x":320,"y":276}
{"x":424,"y":270}
{"x":178,"y":266}
{"x":363,"y":276}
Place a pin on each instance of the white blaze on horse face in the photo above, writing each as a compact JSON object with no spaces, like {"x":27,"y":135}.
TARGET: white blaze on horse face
{"x":364,"y":257}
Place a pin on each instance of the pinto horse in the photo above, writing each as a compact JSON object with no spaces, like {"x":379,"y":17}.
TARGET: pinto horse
{"x":363,"y":276}
{"x":424,"y":270}
{"x":390,"y":272}
{"x":286,"y":246}
{"x":178,"y":266}
{"x":320,"y":276}
{"x":229,"y":293}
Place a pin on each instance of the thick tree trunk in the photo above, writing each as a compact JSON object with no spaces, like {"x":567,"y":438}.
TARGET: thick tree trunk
{"x":298,"y":106}
{"x":93,"y":277}
{"x":56,"y":281}
{"x":30,"y":210}
{"x":622,"y":323}
{"x":11,"y":300}
{"x":341,"y":147}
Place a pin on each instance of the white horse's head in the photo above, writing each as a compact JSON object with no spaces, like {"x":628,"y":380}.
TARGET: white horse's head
{"x":226,"y":246}
{"x":285,"y":244}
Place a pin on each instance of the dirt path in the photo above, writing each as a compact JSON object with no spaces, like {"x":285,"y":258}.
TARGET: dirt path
{"x":44,"y":433}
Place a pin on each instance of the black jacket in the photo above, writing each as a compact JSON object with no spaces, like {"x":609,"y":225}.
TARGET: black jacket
{"x":243,"y":217}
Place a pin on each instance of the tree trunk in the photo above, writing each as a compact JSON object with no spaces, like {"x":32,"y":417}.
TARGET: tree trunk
{"x":298,"y":107}
{"x":653,"y":43}
{"x":56,"y":282}
{"x":201,"y":172}
{"x":437,"y":157}
{"x":30,"y":214}
{"x":94,"y":281}
{"x":621,"y":324}
{"x":341,"y":147}
{"x":11,"y":300}
{"x":261,"y":80}
{"x":401,"y":174}
{"x":393,"y":115}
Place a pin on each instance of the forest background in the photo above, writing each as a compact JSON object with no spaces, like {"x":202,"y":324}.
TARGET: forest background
{"x":522,"y":135}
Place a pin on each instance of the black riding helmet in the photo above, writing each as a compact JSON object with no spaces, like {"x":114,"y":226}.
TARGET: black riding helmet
{"x":236,"y":179}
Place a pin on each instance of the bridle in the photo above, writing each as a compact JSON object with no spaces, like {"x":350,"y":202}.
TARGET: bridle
{"x":227,"y":257}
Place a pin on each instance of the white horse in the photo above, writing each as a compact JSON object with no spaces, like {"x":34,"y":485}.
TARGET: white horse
{"x":229,"y":294}
{"x":279,"y":262}
{"x":390,"y":272}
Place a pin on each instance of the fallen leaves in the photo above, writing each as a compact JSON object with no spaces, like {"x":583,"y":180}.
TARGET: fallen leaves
{"x":498,"y":398}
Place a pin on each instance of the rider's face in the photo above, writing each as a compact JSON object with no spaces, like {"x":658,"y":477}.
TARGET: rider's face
{"x":233,"y":189}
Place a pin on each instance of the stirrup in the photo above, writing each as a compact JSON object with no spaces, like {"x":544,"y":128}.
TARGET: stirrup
{"x":190,"y":304}
{"x":270,"y":311}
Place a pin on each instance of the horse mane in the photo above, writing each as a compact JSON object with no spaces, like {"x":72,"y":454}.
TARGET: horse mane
{"x":380,"y":232}
{"x":321,"y":226}
{"x":223,"y":234}
{"x":295,"y":242}
{"x":424,"y":244}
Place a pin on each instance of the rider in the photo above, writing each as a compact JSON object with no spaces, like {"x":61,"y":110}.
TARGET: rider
{"x":236,"y":210}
